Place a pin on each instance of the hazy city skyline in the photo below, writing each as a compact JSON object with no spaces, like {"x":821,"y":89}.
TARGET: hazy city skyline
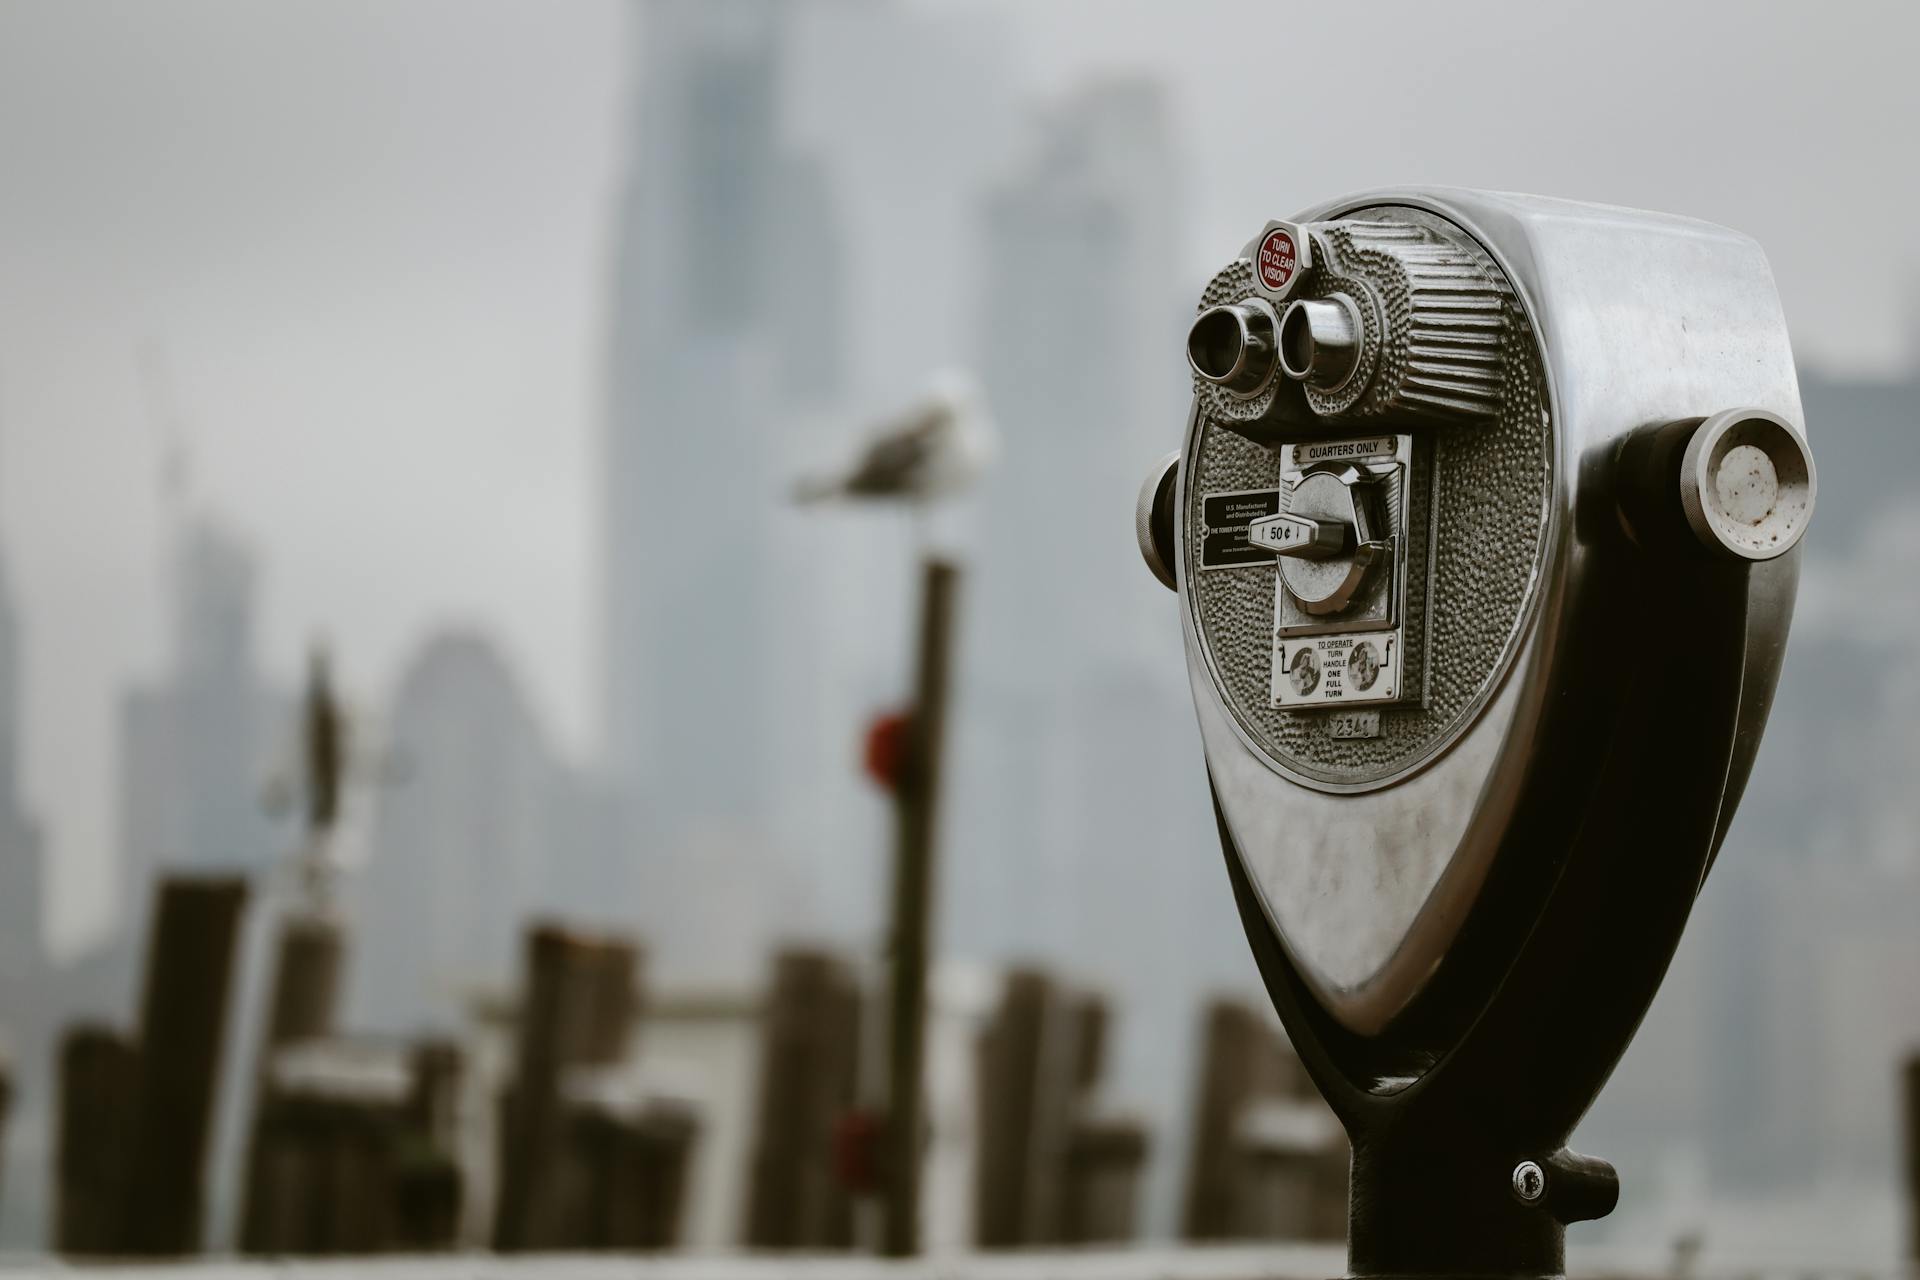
{"x":445,"y":316}
{"x":396,"y":251}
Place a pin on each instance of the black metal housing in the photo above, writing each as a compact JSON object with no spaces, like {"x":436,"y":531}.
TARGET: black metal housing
{"x":1635,"y":773}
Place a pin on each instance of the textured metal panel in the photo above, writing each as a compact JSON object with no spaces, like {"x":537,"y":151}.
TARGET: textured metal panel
{"x":1464,"y":617}
{"x":1632,"y":320}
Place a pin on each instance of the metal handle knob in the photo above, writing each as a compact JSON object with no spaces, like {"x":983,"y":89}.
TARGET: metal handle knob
{"x":1291,"y":535}
{"x":1747,"y":484}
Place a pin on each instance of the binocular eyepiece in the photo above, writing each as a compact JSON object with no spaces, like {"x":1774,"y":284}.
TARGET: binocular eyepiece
{"x":1235,"y":346}
{"x":1240,"y":345}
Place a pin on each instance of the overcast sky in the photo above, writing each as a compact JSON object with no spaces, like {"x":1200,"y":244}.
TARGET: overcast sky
{"x":368,"y":237}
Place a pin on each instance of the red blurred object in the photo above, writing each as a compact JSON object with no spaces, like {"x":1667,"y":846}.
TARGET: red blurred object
{"x":886,"y":753}
{"x":856,"y":1150}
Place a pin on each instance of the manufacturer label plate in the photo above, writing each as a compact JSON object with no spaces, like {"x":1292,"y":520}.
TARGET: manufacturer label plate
{"x":1223,"y":544}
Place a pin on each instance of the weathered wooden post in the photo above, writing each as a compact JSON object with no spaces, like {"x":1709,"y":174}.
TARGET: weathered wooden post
{"x":354,"y":1151}
{"x":300,"y":1008}
{"x":430,"y":1189}
{"x":1290,"y":1165}
{"x":1269,"y":1160}
{"x":1910,"y":1097}
{"x":433,"y":1105}
{"x":917,"y":814}
{"x":530,"y":1111}
{"x":658,"y":1158}
{"x":1101,"y":1180}
{"x":582,"y":995}
{"x":1238,"y":1062}
{"x":1047,"y":1171}
{"x":808,"y":1070}
{"x":1008,"y":1057}
{"x":1104,"y":1157}
{"x":621,"y":1179}
{"x":99,"y":1072}
{"x":306,"y":980}
{"x":182,"y":1025}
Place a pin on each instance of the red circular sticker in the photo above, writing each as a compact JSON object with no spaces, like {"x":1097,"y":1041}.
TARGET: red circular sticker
{"x":1277,"y":259}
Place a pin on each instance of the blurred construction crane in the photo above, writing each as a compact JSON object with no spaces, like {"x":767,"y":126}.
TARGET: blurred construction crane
{"x":330,"y":755}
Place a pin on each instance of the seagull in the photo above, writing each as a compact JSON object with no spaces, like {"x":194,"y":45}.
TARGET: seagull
{"x":935,"y":448}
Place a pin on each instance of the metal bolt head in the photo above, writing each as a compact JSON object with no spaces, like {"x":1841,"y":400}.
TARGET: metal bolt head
{"x":1529,"y":1182}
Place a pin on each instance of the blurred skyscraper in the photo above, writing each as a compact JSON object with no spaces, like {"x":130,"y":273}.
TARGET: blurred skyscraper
{"x":724,"y":333}
{"x":1766,"y":1068}
{"x":1078,"y":315}
{"x":1082,"y":817}
{"x":1809,"y":913}
{"x":197,"y":746}
{"x":1080,"y":327}
{"x":468,"y":842}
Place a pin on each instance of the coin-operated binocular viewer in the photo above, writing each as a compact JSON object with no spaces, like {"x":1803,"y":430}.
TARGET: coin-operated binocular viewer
{"x":1483,"y":532}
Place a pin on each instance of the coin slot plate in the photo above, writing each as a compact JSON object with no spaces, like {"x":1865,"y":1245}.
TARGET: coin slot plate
{"x":1358,"y":656}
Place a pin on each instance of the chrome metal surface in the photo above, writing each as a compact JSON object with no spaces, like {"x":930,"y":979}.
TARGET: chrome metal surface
{"x":1638,"y":319}
{"x":1529,"y":1182}
{"x":1320,"y":341}
{"x":1747,"y":484}
{"x":1289,"y":534}
{"x":1325,"y":583}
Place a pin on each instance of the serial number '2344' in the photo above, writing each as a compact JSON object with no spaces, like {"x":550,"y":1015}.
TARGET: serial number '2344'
{"x":1353,"y":724}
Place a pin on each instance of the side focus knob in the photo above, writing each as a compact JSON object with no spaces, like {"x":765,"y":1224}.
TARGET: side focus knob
{"x":1153,"y":520}
{"x":1747,"y":484}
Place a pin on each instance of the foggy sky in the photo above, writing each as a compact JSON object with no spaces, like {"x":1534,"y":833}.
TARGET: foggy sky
{"x":370,"y":237}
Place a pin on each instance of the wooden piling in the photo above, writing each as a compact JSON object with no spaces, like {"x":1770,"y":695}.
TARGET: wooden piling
{"x":1046,"y":1170}
{"x":99,"y":1075}
{"x":433,"y":1106}
{"x":1290,"y":1174}
{"x":306,"y":981}
{"x":354,"y":1152}
{"x":1268,"y":1159}
{"x":917,"y":813}
{"x":1101,"y":1182}
{"x":581,"y":996}
{"x":1008,"y":1081}
{"x":621,"y":1176}
{"x":1910,"y":1097}
{"x":301,"y":1000}
{"x":809,"y":1056}
{"x":182,"y":1026}
{"x":429,"y":1190}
